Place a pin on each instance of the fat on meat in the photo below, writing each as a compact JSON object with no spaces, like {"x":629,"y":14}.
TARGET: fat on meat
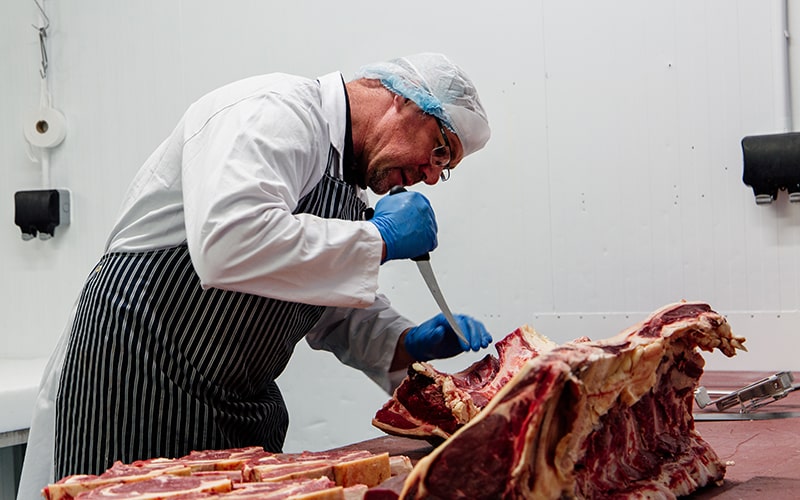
{"x":609,"y":418}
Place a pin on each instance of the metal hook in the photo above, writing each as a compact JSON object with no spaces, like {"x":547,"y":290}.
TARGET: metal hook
{"x":43,"y":48}
{"x":42,"y":39}
{"x":44,"y":15}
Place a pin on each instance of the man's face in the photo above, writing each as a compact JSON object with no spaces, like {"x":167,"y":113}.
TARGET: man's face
{"x":407,"y":148}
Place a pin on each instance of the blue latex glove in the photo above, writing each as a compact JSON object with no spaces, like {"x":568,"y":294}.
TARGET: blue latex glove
{"x":434,"y":339}
{"x":407,"y":225}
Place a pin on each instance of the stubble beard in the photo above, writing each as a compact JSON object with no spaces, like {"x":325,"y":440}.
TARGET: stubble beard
{"x":378,"y":181}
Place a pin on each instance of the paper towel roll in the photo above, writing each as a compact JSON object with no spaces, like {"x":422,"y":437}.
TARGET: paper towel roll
{"x":46,"y":129}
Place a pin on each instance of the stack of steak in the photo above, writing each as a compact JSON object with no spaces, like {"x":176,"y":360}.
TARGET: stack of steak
{"x":239,"y":473}
{"x":609,"y":418}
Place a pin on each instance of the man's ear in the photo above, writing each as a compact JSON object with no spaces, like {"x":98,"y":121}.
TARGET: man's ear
{"x":399,"y":101}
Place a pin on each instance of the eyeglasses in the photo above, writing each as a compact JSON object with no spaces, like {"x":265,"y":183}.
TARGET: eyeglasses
{"x":440,"y":156}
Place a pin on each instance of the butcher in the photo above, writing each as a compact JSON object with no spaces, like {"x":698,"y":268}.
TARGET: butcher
{"x":247,"y":230}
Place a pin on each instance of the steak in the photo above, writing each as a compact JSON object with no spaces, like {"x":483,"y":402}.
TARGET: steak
{"x":315,"y":488}
{"x":216,"y":460}
{"x":158,"y":487}
{"x":71,"y":486}
{"x":433,"y":405}
{"x":610,"y":418}
{"x":345,"y":468}
{"x":238,"y":473}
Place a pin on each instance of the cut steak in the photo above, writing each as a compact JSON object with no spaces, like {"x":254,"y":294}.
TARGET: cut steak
{"x":346,"y":468}
{"x":238,"y":473}
{"x":432,"y":405}
{"x":230,"y":459}
{"x":70,"y":486}
{"x":610,"y":418}
{"x":165,"y":486}
{"x":320,"y":488}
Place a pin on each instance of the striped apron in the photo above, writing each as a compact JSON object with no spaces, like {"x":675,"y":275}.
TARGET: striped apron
{"x":157,"y":367}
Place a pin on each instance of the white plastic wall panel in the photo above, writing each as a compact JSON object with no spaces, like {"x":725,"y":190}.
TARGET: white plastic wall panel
{"x":611,"y":185}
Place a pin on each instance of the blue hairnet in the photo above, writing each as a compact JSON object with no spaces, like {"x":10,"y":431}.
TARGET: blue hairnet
{"x":439,"y":88}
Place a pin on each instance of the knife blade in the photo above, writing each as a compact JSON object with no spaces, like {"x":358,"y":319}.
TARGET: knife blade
{"x":426,"y":270}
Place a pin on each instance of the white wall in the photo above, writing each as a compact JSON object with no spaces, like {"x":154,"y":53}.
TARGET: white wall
{"x":611,"y":186}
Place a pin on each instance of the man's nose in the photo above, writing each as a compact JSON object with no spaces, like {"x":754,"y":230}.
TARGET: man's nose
{"x":431,"y":174}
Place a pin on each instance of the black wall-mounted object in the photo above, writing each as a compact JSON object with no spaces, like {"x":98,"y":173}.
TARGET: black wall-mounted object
{"x":39,"y":212}
{"x":771,"y":164}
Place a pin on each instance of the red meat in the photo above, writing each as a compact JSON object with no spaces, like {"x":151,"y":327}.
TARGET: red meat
{"x":433,"y":405}
{"x":611,"y":419}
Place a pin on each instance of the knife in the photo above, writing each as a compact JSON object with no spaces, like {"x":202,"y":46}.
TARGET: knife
{"x":426,"y":270}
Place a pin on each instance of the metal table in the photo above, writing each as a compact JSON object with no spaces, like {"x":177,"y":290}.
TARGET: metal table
{"x":763,"y":455}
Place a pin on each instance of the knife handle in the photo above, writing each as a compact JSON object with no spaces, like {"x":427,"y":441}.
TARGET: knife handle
{"x":426,"y":255}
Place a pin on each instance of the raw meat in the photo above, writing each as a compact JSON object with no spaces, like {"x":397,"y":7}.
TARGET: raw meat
{"x":345,"y":468}
{"x":611,"y":418}
{"x":165,"y":486}
{"x":230,"y":459}
{"x":431,"y":404}
{"x":319,"y":488}
{"x":237,"y":473}
{"x":387,"y":490}
{"x":70,"y":486}
{"x":234,"y":475}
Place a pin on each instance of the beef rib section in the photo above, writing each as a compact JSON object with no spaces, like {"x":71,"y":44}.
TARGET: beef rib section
{"x":432,"y":405}
{"x":607,"y":418}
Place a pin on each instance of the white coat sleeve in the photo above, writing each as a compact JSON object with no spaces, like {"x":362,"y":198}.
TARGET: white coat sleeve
{"x":364,"y":339}
{"x":244,"y":171}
